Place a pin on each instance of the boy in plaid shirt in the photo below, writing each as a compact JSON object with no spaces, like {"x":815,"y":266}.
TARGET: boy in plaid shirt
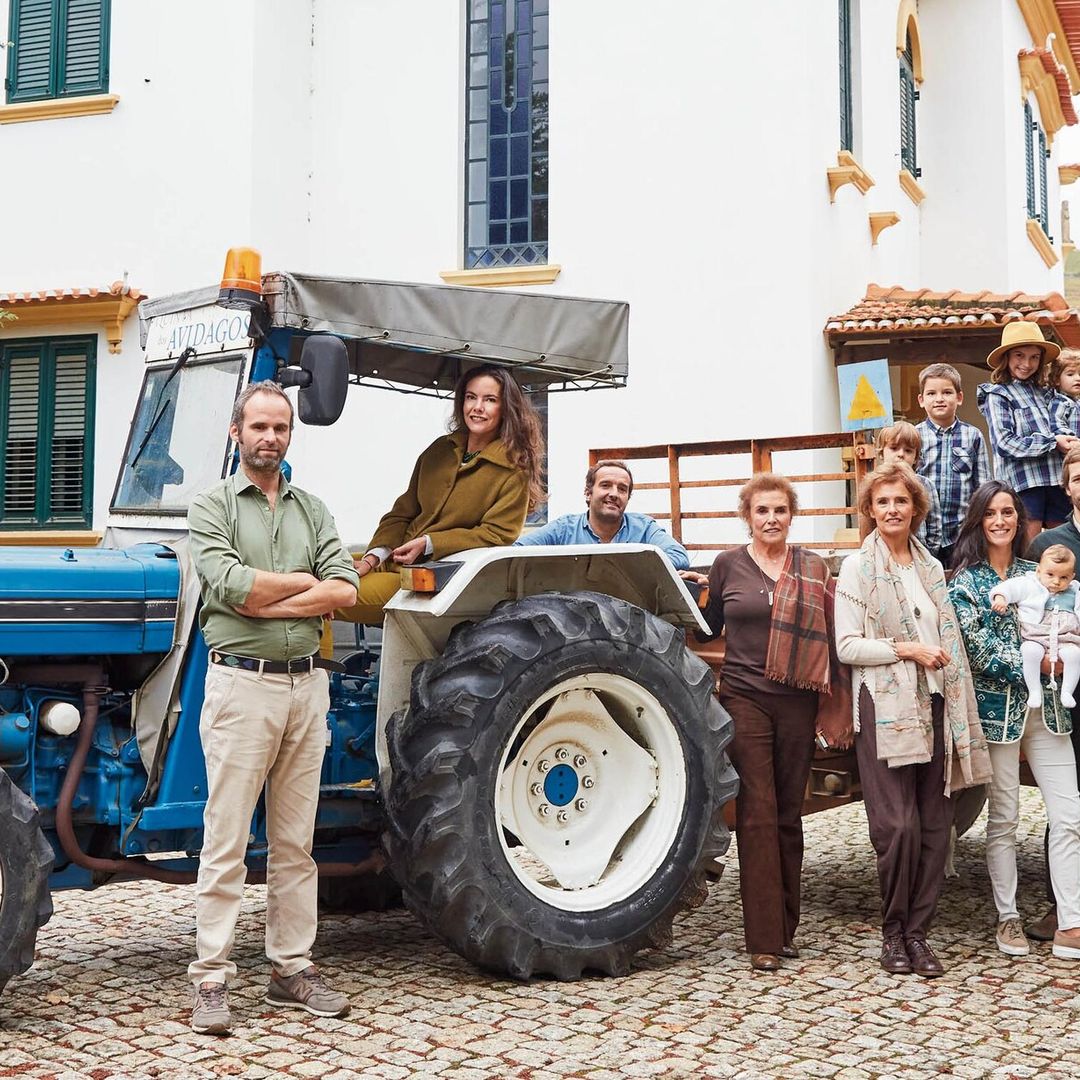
{"x":953,"y":459}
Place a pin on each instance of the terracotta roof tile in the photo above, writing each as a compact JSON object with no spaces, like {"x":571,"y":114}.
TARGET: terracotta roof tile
{"x":1069,"y":13}
{"x":1061,"y":77}
{"x":117,"y":288}
{"x":925,"y":310}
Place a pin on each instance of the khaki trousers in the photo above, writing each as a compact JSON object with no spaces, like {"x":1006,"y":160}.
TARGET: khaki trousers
{"x":256,"y":731}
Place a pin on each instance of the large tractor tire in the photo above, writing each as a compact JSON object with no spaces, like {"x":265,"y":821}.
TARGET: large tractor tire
{"x":557,"y":783}
{"x":26,"y":860}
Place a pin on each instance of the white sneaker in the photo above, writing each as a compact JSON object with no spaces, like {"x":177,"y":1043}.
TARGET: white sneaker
{"x":1068,"y":700}
{"x":1011,"y":939}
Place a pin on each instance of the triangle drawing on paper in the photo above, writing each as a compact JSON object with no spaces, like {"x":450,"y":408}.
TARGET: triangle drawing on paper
{"x":865,"y":404}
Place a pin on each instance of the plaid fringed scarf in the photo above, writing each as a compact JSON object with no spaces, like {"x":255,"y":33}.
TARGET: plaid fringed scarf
{"x":799,"y":633}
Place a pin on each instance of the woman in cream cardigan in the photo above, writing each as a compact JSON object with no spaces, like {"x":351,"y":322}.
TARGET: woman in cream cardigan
{"x":918,"y":737}
{"x":472,"y":488}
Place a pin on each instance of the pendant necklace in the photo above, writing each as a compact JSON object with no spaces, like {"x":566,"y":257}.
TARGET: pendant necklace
{"x":766,"y":591}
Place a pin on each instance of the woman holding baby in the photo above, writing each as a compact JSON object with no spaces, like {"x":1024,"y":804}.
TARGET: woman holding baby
{"x":1006,"y":608}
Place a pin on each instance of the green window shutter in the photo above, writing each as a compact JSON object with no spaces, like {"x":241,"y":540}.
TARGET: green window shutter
{"x":847,"y":133}
{"x":31,"y":59}
{"x":1029,"y":152}
{"x":83,"y":47}
{"x":61,"y":49}
{"x":1044,"y":208}
{"x":20,"y":479}
{"x":67,"y":464}
{"x":908,"y":96}
{"x":46,"y":432}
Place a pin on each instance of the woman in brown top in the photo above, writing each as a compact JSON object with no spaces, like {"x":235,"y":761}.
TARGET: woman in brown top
{"x":774,"y":604}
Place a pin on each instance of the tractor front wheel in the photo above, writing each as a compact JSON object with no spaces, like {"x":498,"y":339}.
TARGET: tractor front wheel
{"x":26,"y":860}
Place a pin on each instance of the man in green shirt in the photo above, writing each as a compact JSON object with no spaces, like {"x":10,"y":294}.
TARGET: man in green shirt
{"x":271,"y":565}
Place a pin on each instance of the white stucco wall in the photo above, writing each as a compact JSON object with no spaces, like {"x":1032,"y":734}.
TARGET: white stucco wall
{"x":688,"y":159}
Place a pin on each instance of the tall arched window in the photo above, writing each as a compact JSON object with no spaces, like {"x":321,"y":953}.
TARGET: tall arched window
{"x":908,"y":97}
{"x":847,"y":110}
{"x":506,"y":141}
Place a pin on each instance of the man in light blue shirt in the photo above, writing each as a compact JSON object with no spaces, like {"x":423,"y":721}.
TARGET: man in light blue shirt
{"x":608,"y":487}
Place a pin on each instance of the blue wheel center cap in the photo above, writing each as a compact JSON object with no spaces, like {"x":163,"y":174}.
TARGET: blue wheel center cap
{"x":560,"y":785}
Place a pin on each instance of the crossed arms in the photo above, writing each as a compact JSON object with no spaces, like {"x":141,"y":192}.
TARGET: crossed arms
{"x":294,"y":596}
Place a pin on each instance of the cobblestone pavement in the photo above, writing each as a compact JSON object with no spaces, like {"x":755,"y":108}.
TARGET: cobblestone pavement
{"x":107,"y":996}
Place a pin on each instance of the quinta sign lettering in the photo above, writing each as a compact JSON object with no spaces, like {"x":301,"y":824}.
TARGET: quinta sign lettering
{"x":206,"y":330}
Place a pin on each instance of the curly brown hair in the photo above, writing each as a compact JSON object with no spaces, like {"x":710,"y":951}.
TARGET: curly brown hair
{"x":519,"y":429}
{"x":893,"y":473}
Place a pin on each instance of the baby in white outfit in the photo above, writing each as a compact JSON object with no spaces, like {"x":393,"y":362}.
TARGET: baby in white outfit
{"x":1049,"y":605}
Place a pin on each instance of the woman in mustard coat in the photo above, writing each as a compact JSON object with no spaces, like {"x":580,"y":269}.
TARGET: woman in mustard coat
{"x":471,"y":488}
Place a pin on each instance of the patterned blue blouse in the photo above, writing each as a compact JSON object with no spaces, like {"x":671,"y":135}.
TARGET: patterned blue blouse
{"x":992,"y":642}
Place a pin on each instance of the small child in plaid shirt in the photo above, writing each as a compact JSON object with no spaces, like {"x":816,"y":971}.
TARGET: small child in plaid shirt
{"x":1027,"y":448}
{"x":901,"y":442}
{"x":953,"y":459}
{"x":1063,"y":380}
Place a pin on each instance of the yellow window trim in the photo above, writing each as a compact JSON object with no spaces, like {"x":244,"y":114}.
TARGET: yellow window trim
{"x":847,"y":171}
{"x":108,"y":310}
{"x":1067,"y":174}
{"x":911,"y":187}
{"x":500,"y":276}
{"x":879,"y":221}
{"x":1042,"y":20}
{"x":1041,"y":242}
{"x":1035,"y":79}
{"x":907,"y":21}
{"x":58,"y":108}
{"x":50,"y":538}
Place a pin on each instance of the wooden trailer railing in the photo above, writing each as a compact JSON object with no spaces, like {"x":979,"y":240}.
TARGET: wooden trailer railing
{"x":762,"y":454}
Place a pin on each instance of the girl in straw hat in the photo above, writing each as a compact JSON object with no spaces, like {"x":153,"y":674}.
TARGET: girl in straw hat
{"x":1027,"y":450}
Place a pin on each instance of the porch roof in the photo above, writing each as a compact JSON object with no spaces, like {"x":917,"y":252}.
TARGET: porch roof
{"x":108,"y":305}
{"x":923,"y":326}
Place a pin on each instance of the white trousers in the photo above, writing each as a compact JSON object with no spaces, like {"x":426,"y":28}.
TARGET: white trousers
{"x":1054,"y":767}
{"x":259,"y":730}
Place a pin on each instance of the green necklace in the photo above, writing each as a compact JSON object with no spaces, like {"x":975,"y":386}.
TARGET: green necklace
{"x":470,"y":455}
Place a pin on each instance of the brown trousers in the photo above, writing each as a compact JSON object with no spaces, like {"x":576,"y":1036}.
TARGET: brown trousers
{"x":910,"y":818}
{"x":771,"y":752}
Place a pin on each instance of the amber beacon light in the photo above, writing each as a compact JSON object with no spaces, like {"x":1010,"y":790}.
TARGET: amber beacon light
{"x":241,"y":280}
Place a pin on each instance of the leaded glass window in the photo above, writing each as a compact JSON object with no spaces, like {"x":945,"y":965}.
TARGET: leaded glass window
{"x":506,"y":140}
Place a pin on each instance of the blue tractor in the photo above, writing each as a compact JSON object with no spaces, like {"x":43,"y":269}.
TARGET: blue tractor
{"x":533,"y":756}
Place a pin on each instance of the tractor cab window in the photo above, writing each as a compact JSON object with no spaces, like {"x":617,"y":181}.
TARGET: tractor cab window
{"x":179,"y":440}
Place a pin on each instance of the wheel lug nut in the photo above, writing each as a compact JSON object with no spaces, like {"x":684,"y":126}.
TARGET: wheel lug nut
{"x":587,"y":781}
{"x":536,"y":789}
{"x":544,"y":809}
{"x":562,"y":753}
{"x":579,"y":760}
{"x":561,"y":815}
{"x":582,"y":804}
{"x":543,"y":765}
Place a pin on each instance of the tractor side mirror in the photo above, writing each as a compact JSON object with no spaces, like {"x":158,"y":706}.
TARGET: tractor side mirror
{"x":323,"y":378}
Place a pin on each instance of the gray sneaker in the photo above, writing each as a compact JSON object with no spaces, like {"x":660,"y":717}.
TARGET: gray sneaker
{"x":210,"y":1009}
{"x":306,"y":990}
